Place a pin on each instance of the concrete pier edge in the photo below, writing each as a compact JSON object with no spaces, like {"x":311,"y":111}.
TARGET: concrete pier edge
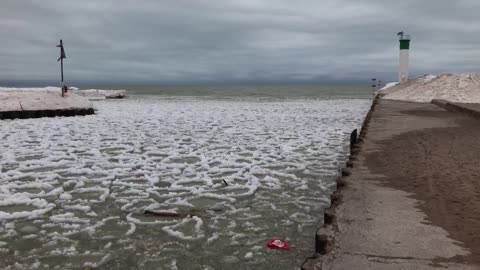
{"x":44,"y":113}
{"x":325,"y":235}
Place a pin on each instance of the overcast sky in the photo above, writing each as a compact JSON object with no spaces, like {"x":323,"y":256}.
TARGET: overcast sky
{"x":241,"y":41}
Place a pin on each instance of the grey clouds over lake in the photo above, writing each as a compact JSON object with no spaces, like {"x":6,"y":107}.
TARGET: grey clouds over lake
{"x":238,"y":41}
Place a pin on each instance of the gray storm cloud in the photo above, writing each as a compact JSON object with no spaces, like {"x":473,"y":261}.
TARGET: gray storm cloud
{"x":242,"y":41}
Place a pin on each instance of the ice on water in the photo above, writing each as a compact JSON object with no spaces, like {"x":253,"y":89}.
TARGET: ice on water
{"x":235,"y":173}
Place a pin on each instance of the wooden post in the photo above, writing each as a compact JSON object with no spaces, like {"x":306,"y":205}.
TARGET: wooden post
{"x":373,"y":87}
{"x":353,"y":139}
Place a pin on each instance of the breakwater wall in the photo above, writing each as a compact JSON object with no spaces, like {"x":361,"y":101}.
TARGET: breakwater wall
{"x":44,"y":113}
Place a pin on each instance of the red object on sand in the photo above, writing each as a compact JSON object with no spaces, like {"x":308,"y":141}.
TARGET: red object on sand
{"x":277,"y":243}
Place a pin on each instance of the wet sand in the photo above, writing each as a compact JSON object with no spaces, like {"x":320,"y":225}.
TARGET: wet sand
{"x":412,"y":198}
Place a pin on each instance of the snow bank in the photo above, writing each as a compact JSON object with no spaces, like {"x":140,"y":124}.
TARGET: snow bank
{"x":41,"y":100}
{"x":428,"y":78}
{"x":388,"y":85}
{"x":454,"y":88}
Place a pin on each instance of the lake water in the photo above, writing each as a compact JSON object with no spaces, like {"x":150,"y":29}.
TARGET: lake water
{"x":227,"y":170}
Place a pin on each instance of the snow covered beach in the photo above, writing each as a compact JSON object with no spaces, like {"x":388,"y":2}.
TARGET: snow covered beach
{"x":74,"y":190}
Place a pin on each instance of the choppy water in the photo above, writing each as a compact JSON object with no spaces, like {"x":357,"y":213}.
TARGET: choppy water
{"x":238,"y":171}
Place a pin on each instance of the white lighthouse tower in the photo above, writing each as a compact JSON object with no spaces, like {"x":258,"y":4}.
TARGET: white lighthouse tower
{"x":404,"y":47}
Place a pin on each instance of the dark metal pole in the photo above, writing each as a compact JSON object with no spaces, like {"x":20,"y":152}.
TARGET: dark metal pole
{"x":62,"y":55}
{"x":61,"y":66}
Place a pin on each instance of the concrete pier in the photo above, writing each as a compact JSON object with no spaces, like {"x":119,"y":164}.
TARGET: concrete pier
{"x":411,"y":197}
{"x":36,"y":104}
